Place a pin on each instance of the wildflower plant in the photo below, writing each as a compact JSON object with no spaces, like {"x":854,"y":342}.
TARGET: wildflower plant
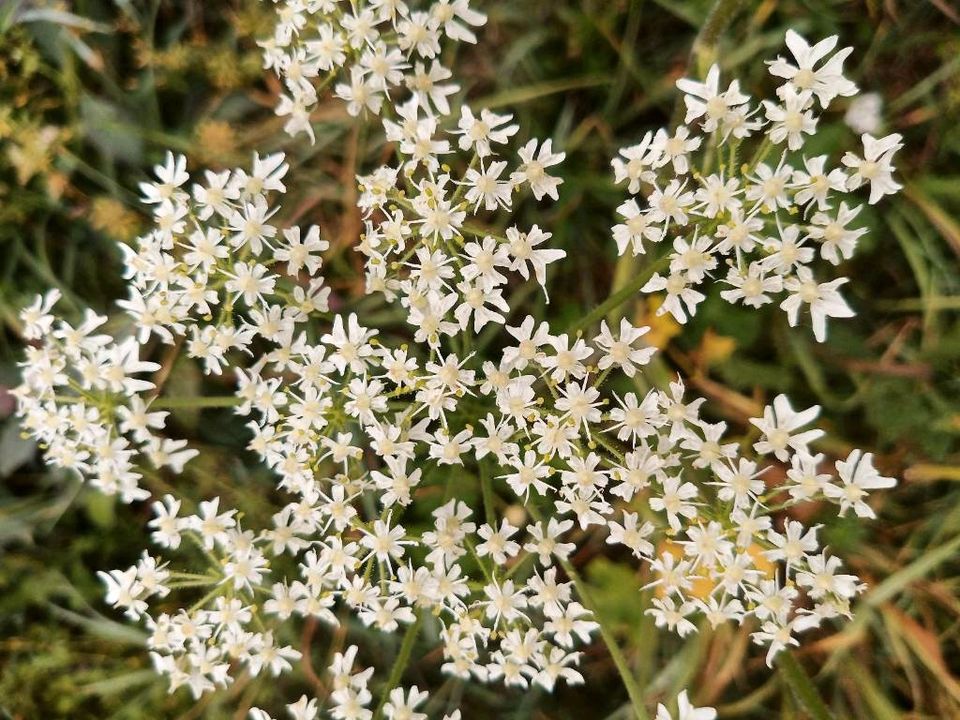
{"x":380,"y":438}
{"x":734,"y":196}
{"x":371,"y":53}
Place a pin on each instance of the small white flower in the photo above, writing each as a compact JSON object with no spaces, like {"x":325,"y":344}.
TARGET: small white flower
{"x":858,"y":476}
{"x":685,"y":710}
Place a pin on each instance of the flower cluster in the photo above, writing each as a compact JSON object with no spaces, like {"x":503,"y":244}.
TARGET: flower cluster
{"x":421,"y":485}
{"x":555,"y":462}
{"x":375,"y":48}
{"x":686,"y":710}
{"x":80,"y":399}
{"x":732,"y":191}
{"x":350,"y":697}
{"x":421,"y":245}
{"x":216,"y":269}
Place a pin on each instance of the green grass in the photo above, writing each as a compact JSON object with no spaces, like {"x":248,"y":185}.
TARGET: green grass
{"x":91,"y":99}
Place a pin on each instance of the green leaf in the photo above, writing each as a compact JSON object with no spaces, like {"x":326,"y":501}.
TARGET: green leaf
{"x":107,"y":127}
{"x":119,"y":683}
{"x":802,"y":687}
{"x":616,"y":592}
{"x":101,"y":509}
{"x":15,"y":449}
{"x":914,"y":571}
{"x":516,"y":96}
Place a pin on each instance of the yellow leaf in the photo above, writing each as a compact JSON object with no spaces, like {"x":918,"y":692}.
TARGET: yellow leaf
{"x":715,"y":349}
{"x":662,"y":327}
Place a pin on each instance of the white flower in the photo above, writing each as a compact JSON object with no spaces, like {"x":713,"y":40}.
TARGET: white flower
{"x":167,"y":525}
{"x":838,"y":241}
{"x":823,"y":578}
{"x":640,"y":159}
{"x":362,"y":93}
{"x":770,"y":187}
{"x":454,"y":16}
{"x":704,"y":99}
{"x":632,"y":536}
{"x":485,"y":187}
{"x":823,"y":299}
{"x":779,"y":425}
{"x":402,"y":706}
{"x":352,"y":344}
{"x":36,"y":317}
{"x":827,"y":81}
{"x":681,"y":298}
{"x":620,"y":351}
{"x":301,"y":254}
{"x":676,"y":618}
{"x":876,"y":166}
{"x":505,"y":602}
{"x":675,"y":149}
{"x":857,"y":476}
{"x":814,"y":182}
{"x":792,"y":120}
{"x":793,"y":545}
{"x":171,"y":176}
{"x":356,"y":425}
{"x":671,"y":203}
{"x":303,"y":709}
{"x":778,"y":634}
{"x":639,"y":225}
{"x":685,"y":710}
{"x":718,"y":195}
{"x":566,"y":360}
{"x":479,"y":132}
{"x":674,"y":499}
{"x":523,"y":250}
{"x":497,"y":543}
{"x":124,"y":590}
{"x":533,"y":169}
{"x":752,"y":287}
{"x":250,"y":281}
{"x":865,"y":113}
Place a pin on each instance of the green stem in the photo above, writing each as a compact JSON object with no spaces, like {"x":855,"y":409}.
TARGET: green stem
{"x":761,"y":153}
{"x":623,"y":272}
{"x":626,"y":674}
{"x":183,"y":403}
{"x":487,"y":492}
{"x":619,"y":297}
{"x":802,"y":686}
{"x":704,"y":51}
{"x":602,"y":441}
{"x":399,"y":665}
{"x":487,"y":572}
{"x":205,"y":599}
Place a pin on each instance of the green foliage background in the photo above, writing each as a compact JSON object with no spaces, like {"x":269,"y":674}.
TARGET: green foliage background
{"x":93,"y":92}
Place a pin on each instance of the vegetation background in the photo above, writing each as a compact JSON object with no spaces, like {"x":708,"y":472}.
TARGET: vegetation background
{"x":93,"y":92}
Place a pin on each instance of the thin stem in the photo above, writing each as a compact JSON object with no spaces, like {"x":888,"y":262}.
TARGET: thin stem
{"x":617,"y":454}
{"x":802,"y":686}
{"x":704,"y":50}
{"x":487,"y":572}
{"x":624,"y":271}
{"x":399,"y":665}
{"x":182,"y":403}
{"x":205,"y":599}
{"x":703,"y":53}
{"x":621,"y":296}
{"x":487,"y":491}
{"x":626,"y":674}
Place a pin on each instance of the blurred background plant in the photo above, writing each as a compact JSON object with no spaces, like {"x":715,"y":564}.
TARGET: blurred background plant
{"x":93,"y":92}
